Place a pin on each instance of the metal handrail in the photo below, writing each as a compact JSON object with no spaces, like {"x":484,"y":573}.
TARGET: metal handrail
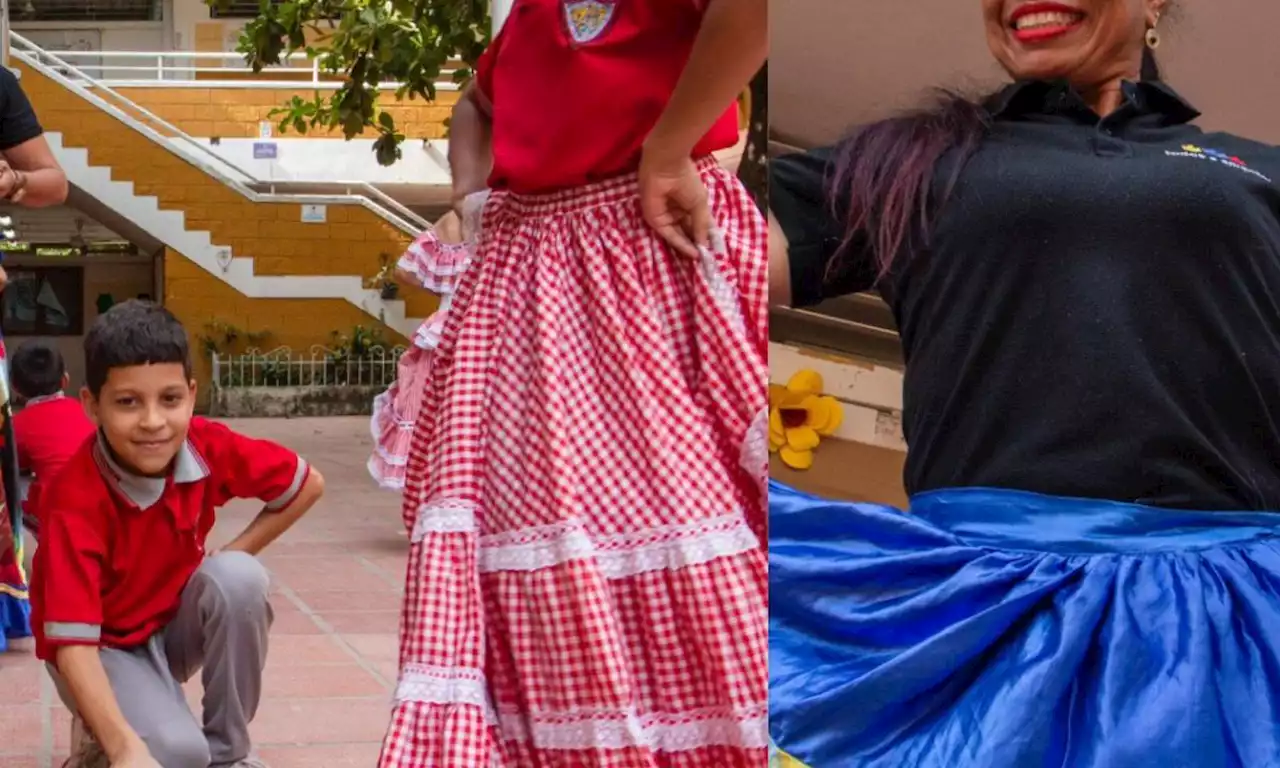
{"x":226,"y":171}
{"x":161,"y":68}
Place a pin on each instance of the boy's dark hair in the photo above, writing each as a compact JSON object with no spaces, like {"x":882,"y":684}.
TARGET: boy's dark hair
{"x":132,"y":333}
{"x":36,"y":369}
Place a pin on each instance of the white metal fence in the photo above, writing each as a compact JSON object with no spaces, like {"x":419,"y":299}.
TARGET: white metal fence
{"x":318,"y":367}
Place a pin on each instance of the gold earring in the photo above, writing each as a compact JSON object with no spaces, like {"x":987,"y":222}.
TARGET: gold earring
{"x":1153,"y":37}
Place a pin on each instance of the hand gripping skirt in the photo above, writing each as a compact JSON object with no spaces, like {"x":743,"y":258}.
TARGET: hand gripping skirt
{"x":998,"y":628}
{"x":586,"y":585}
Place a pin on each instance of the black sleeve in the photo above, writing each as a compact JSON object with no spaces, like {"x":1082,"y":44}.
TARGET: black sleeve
{"x":798,"y":200}
{"x":18,"y":123}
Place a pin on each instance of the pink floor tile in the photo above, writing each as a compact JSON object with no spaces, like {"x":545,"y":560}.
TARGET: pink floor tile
{"x":345,"y":600}
{"x":294,"y":650}
{"x":375,"y":647}
{"x":291,"y":621}
{"x":20,"y":729}
{"x":318,"y":681}
{"x":321,"y":721}
{"x":362,"y":622}
{"x":329,"y":573}
{"x":327,"y":756}
{"x":19,"y":679}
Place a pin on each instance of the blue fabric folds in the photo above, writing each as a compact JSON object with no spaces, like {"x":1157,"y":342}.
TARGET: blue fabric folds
{"x":1000,"y":629}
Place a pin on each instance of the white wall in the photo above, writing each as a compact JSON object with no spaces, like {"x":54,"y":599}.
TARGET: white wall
{"x":328,"y":160}
{"x":98,"y":36}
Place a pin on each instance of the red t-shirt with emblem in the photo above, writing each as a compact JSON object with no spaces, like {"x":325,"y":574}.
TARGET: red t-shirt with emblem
{"x":577,"y":85}
{"x":49,"y":430}
{"x":116,"y":550}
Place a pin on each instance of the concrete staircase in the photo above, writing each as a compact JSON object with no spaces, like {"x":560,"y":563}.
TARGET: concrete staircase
{"x":236,"y":270}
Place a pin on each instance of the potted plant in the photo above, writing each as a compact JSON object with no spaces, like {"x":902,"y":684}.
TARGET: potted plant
{"x":384,"y":280}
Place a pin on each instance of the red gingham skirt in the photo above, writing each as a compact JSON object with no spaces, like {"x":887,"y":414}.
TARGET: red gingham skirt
{"x":587,"y":582}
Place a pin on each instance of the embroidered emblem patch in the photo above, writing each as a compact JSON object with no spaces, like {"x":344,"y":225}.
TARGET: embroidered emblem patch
{"x":587,"y":19}
{"x":1213,"y":155}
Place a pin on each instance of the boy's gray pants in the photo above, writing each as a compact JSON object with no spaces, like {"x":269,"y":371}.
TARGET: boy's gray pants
{"x":221,"y":625}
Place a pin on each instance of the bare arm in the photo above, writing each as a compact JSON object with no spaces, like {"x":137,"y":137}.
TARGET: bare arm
{"x":270,"y":524}
{"x":31,"y":175}
{"x":779,"y":266}
{"x":81,"y":667}
{"x":470,"y":143}
{"x":731,"y":46}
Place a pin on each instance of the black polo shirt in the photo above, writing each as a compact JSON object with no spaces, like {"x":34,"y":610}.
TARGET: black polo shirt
{"x":18,"y":123}
{"x":1097,"y":313}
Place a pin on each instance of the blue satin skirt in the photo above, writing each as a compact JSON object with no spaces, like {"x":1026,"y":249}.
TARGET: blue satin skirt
{"x":1000,"y":629}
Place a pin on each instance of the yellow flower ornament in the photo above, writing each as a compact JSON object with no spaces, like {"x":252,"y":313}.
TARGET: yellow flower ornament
{"x":799,"y":417}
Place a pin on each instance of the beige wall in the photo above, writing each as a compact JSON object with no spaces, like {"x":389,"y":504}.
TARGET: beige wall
{"x":867,"y":57}
{"x":123,"y":279}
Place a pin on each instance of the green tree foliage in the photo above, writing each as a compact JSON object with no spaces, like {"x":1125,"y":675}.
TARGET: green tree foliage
{"x":414,"y":43}
{"x":363,"y":43}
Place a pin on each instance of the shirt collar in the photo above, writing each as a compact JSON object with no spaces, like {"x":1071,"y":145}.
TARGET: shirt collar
{"x":188,"y":467}
{"x":1048,"y":97}
{"x":44,"y":399}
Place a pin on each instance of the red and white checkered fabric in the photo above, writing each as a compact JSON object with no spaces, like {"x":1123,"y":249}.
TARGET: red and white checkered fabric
{"x":587,"y":582}
{"x":437,"y":266}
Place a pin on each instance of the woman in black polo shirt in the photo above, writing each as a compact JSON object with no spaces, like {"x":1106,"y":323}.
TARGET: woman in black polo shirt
{"x":1090,"y":316}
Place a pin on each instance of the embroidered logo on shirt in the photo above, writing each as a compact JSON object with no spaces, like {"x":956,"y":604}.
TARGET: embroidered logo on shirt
{"x":1203,"y":153}
{"x":587,"y":19}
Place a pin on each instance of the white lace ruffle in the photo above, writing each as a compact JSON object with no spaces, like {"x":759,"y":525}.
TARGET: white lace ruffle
{"x":445,"y":685}
{"x":661,"y":731}
{"x":383,"y":411}
{"x":754,"y":456}
{"x":669,"y":547}
{"x":582,"y":729}
{"x":620,"y":555}
{"x":723,"y":293}
{"x":444,"y":517}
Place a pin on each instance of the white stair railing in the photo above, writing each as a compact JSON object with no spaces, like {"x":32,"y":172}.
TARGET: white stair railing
{"x":166,"y":135}
{"x":213,"y":69}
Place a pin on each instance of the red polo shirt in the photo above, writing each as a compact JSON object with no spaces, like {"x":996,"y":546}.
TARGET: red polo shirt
{"x":49,"y":431}
{"x":577,"y":85}
{"x":117,"y":549}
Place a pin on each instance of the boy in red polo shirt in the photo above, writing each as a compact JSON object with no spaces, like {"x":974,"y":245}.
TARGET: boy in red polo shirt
{"x":127,"y":602}
{"x":50,"y":427}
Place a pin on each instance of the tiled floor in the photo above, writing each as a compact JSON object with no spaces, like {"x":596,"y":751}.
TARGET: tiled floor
{"x":337,"y":580}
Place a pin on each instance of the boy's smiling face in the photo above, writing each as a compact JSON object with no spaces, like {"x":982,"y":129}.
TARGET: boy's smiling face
{"x":144,"y":412}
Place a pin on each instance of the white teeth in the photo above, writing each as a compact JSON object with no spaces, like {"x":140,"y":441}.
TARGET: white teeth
{"x":1047,"y":19}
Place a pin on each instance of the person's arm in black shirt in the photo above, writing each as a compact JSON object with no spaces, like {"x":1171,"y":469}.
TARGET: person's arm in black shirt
{"x":29,"y":174}
{"x":805,"y":233}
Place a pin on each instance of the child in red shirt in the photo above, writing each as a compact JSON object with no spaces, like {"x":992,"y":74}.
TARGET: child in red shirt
{"x":587,"y":581}
{"x":127,"y":602}
{"x":50,"y":427}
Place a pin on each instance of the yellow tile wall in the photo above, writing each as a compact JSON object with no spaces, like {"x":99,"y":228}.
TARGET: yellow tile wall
{"x":349,"y":243}
{"x":198,"y":299}
{"x":236,"y":112}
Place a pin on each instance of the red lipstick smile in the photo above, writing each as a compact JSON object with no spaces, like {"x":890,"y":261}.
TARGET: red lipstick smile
{"x":1038,"y":22}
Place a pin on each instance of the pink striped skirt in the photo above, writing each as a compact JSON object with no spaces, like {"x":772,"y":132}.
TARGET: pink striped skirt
{"x":587,"y":580}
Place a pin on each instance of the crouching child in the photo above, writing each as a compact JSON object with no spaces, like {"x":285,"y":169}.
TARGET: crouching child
{"x":128,"y":603}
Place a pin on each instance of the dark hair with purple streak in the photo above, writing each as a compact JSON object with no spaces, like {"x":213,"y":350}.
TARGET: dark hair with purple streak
{"x":885,"y":171}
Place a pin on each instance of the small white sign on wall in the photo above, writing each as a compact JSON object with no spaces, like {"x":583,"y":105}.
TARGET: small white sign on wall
{"x":314,"y":214}
{"x":264,"y":129}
